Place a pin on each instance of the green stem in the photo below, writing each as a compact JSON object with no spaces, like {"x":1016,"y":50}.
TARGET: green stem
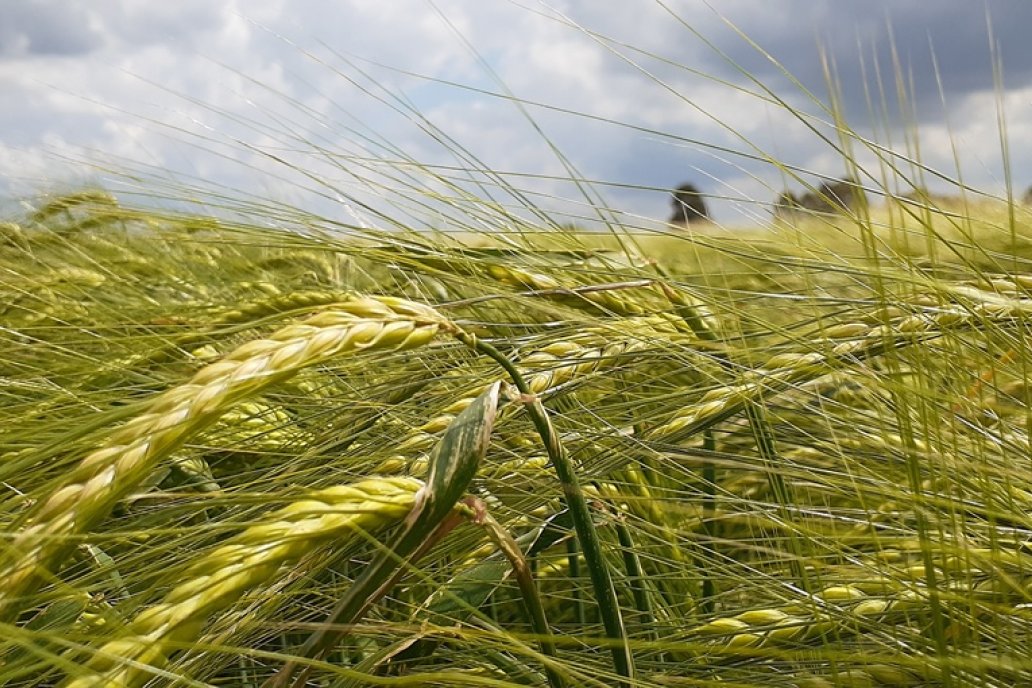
{"x":635,"y":577}
{"x":525,"y":580}
{"x":573,"y":496}
{"x":709,"y":526}
{"x":757,"y":416}
{"x":376,"y":580}
{"x":573,"y":562}
{"x":453,"y":464}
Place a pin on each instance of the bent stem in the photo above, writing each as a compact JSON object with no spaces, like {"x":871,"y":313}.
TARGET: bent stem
{"x":577,"y":503}
{"x":524,"y":579}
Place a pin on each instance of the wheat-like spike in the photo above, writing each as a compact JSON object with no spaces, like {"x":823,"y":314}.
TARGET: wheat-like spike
{"x":219,"y":578}
{"x":842,"y":342}
{"x":977,"y":573}
{"x":525,"y":469}
{"x":838,"y":607}
{"x":692,"y":310}
{"x":561,"y":362}
{"x":94,"y":200}
{"x":600,"y":298}
{"x":244,"y":313}
{"x":604,"y":300}
{"x":260,"y":426}
{"x":39,"y":297}
{"x":280,"y":303}
{"x":595,"y":298}
{"x":253,"y":425}
{"x":591,"y":297}
{"x":547,"y":368}
{"x":108,"y":474}
{"x":12,"y":235}
{"x":868,"y":676}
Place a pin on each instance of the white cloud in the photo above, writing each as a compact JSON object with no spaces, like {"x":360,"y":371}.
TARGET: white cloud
{"x":202,"y":89}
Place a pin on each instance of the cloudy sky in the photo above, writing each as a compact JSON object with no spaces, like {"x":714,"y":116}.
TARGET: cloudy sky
{"x":367,"y":110}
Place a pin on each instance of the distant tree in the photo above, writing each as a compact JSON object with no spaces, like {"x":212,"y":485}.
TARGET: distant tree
{"x":1027,"y":198}
{"x":689,"y":206}
{"x":834,"y":197}
{"x":787,"y":205}
{"x":841,"y":195}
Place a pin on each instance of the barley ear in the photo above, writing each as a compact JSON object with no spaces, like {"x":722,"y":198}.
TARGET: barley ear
{"x":132,"y":452}
{"x":218,"y":578}
{"x":456,"y":458}
{"x":453,"y":464}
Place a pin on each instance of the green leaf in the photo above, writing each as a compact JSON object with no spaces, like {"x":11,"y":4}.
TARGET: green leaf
{"x":457,"y":456}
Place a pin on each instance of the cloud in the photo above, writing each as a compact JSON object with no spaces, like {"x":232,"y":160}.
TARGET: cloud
{"x":47,"y":27}
{"x":292,"y":100}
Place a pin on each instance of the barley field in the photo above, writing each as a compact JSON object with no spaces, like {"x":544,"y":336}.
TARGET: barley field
{"x":796,"y":456}
{"x":247,"y":445}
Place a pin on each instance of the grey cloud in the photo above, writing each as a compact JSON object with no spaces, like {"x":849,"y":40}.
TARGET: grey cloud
{"x":187,"y":25}
{"x":286,"y":89}
{"x":45,"y":27}
{"x":74,"y":28}
{"x":953,"y":33}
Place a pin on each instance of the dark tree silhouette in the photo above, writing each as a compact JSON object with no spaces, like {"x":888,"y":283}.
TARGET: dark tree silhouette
{"x":834,"y":197}
{"x":787,"y":205}
{"x":689,"y":206}
{"x":841,"y":195}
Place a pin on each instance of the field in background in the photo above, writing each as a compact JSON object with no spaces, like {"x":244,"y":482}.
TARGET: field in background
{"x":799,"y":454}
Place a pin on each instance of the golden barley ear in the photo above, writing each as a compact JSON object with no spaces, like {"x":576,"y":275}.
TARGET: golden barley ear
{"x":108,"y":474}
{"x":216,"y":580}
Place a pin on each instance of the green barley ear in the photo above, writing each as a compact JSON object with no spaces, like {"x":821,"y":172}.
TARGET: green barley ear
{"x":363,"y":323}
{"x":453,"y":464}
{"x":457,"y":456}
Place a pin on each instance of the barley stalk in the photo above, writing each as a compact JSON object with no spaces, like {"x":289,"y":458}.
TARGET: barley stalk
{"x":108,"y":474}
{"x":216,"y":580}
{"x":576,"y":502}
